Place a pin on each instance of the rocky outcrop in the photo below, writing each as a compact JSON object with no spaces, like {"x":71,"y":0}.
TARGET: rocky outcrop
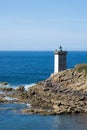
{"x":64,"y":92}
{"x":21,"y":88}
{"x":6,"y":89}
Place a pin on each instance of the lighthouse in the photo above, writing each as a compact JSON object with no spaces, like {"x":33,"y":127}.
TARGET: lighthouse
{"x":59,"y":60}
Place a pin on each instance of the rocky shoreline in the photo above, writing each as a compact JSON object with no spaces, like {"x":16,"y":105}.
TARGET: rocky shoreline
{"x":64,"y":92}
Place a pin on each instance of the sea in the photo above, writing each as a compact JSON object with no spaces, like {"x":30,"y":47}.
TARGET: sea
{"x":28,"y":68}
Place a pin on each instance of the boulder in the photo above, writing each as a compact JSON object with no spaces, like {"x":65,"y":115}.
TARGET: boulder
{"x":6,"y":89}
{"x":3,"y":83}
{"x":21,"y":88}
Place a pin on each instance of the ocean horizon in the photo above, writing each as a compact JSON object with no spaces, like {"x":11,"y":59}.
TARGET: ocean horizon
{"x":27,"y":67}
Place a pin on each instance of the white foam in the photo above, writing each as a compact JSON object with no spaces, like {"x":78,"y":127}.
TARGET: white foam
{"x":10,"y":99}
{"x":5,"y":86}
{"x":29,"y":106}
{"x":28,"y":86}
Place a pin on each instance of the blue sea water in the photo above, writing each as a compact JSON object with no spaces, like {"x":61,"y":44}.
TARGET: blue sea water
{"x":25,"y":67}
{"x":19,"y":67}
{"x":22,"y":68}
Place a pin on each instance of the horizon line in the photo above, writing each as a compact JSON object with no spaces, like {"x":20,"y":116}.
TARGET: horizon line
{"x":39,"y":50}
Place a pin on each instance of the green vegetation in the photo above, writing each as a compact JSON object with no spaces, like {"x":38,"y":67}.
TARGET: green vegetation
{"x":81,"y":67}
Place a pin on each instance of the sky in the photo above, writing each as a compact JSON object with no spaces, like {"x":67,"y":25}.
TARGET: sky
{"x":43,"y":25}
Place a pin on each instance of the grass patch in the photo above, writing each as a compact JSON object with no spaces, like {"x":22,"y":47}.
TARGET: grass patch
{"x":81,"y":67}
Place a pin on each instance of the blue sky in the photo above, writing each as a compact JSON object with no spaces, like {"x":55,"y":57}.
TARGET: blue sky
{"x":43,"y":24}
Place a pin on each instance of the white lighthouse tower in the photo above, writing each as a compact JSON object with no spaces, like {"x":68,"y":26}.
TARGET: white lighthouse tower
{"x":59,"y":60}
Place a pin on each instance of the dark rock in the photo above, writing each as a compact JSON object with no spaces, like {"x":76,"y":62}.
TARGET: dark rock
{"x":48,"y":83}
{"x":33,"y":93}
{"x":21,"y":88}
{"x":46,"y":89}
{"x":6,"y":89}
{"x":3,"y":83}
{"x":82,"y":98}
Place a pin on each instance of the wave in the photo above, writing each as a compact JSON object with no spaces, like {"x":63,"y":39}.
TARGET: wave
{"x":4,"y":86}
{"x":27,"y":86}
{"x":10,"y":99}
